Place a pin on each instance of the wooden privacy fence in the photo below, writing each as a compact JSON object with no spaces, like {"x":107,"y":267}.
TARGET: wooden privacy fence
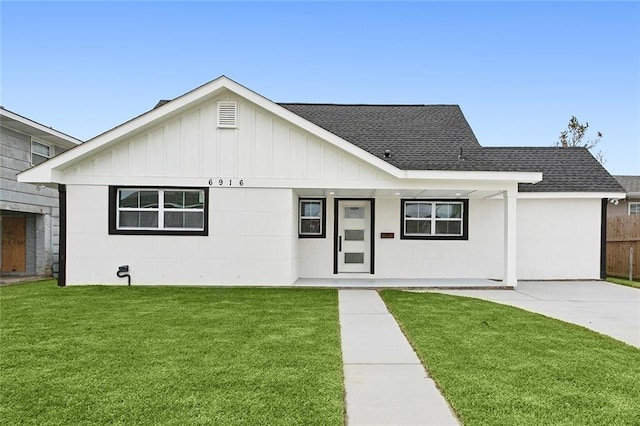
{"x":623,"y":246}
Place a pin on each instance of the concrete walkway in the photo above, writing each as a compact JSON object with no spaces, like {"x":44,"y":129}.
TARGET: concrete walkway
{"x":607,"y":308}
{"x":384,"y":380}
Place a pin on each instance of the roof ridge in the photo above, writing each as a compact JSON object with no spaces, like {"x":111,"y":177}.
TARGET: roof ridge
{"x":534,"y":147}
{"x":373,"y":105}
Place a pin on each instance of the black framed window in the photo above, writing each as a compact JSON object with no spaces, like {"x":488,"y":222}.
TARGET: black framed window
{"x":311,"y":218}
{"x":434,"y":219}
{"x":158,"y":211}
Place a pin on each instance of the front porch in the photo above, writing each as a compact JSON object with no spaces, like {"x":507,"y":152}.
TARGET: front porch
{"x":407,"y":283}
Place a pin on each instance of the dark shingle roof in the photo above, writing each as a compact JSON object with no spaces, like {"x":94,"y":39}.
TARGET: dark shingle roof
{"x":631,"y":184}
{"x":432,"y":137}
{"x":409,"y":132}
{"x":563,"y":169}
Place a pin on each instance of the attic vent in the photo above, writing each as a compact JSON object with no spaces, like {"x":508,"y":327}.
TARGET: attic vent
{"x":228,"y":114}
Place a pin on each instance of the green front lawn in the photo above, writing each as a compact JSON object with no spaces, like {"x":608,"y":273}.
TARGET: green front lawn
{"x":153,"y":355}
{"x":622,"y":281}
{"x":499,"y":365}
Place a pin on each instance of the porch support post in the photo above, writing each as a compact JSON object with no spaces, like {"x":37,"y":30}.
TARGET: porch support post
{"x":509,"y":277}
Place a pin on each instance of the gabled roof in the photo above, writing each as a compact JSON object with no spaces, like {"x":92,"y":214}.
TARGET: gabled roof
{"x":631,"y":184}
{"x":424,"y":142}
{"x":39,"y":131}
{"x":415,"y":135}
{"x":438,"y":137}
{"x":50,"y":171}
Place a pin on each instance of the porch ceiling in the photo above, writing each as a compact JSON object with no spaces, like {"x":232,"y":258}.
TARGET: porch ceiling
{"x":399,"y":193}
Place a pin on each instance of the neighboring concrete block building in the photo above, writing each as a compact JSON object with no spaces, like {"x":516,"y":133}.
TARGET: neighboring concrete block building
{"x":28,"y":213}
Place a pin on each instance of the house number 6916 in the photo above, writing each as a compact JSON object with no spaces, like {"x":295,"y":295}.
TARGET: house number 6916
{"x":226,"y":182}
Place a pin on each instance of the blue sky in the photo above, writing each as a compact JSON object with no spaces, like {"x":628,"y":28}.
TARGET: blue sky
{"x":519,"y":70}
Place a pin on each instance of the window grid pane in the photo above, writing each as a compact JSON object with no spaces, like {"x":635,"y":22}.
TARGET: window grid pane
{"x":419,"y":219}
{"x":37,"y":159}
{"x":311,"y":208}
{"x":310,"y":220}
{"x":145,"y":209}
{"x":40,"y":149}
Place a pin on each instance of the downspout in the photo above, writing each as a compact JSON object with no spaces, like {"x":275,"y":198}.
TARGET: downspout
{"x":62,"y":247}
{"x":603,"y":239}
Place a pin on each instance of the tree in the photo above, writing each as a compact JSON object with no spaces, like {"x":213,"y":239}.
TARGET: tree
{"x":574,"y":136}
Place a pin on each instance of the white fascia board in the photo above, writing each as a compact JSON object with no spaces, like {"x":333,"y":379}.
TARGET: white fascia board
{"x":39,"y":174}
{"x":559,"y":195}
{"x":390,"y":184}
{"x":519,"y":177}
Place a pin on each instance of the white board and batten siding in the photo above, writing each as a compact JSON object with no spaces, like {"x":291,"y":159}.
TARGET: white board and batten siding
{"x":253,"y":234}
{"x":190,"y":149}
{"x":255,"y":172}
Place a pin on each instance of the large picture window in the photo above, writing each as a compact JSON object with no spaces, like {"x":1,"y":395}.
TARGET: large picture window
{"x":434,"y":219}
{"x":162,"y":211}
{"x":311,"y":223}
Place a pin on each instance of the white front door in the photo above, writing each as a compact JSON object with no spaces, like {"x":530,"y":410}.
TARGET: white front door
{"x":354,"y":236}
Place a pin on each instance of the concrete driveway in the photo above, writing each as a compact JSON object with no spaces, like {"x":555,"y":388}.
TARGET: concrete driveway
{"x":607,"y":308}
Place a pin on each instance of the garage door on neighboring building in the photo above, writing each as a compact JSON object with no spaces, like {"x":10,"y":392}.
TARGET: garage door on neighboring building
{"x":14,"y":244}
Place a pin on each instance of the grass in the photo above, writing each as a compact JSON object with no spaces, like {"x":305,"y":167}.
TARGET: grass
{"x":622,"y":281}
{"x":153,"y":355}
{"x":499,"y":365}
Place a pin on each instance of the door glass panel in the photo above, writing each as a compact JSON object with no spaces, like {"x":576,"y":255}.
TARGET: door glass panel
{"x":354,"y":234}
{"x":354,"y":258}
{"x":354,"y":212}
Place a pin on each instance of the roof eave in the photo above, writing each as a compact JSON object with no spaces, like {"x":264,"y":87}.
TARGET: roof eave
{"x":595,"y":195}
{"x":518,"y":177}
{"x":59,"y":138}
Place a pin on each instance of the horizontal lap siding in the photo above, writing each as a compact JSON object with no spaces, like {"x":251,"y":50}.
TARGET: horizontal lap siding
{"x":15,"y":157}
{"x":43,"y":229}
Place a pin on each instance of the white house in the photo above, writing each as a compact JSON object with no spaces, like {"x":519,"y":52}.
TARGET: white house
{"x":223,"y":186}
